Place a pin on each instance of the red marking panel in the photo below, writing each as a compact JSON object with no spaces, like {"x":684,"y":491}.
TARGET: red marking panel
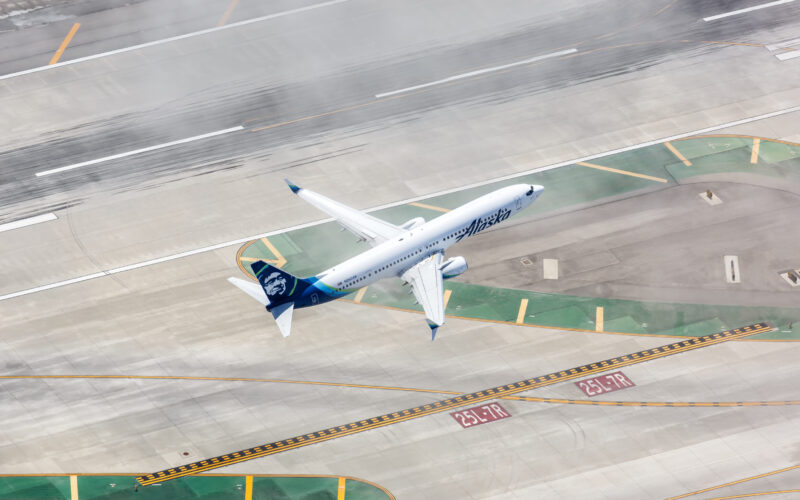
{"x":480,"y":415}
{"x":609,"y":382}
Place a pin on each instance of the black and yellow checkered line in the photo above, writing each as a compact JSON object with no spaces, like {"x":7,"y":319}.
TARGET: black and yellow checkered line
{"x":451,"y":403}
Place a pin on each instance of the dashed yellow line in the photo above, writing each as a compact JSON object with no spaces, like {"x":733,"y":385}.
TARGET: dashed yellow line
{"x":64,"y":44}
{"x":523,"y":308}
{"x":756,"y":146}
{"x":678,"y":154}
{"x":598,"y":319}
{"x":429,"y":207}
{"x":735,"y":482}
{"x":228,"y":12}
{"x":623,"y":172}
{"x":248,"y":488}
{"x":342,"y":483}
{"x":360,"y":295}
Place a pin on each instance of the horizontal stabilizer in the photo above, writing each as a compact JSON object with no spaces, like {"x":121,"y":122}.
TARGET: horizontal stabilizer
{"x":252,"y":289}
{"x":283,"y":316}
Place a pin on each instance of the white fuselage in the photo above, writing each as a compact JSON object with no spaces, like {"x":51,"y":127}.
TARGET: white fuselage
{"x":393,"y":257}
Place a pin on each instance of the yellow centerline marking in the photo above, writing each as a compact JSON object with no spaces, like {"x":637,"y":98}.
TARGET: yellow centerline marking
{"x":248,"y":488}
{"x":454,"y":402}
{"x":342,"y":482}
{"x":360,"y":295}
{"x":523,"y":307}
{"x":228,"y":12}
{"x":429,"y":207}
{"x":64,"y":44}
{"x":760,"y":493}
{"x":73,"y":487}
{"x":447,"y":294}
{"x":598,"y":319}
{"x":623,"y":172}
{"x":678,"y":154}
{"x":756,"y":146}
{"x":735,"y":482}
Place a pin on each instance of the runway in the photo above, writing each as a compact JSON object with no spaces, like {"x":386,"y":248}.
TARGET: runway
{"x":139,"y":162}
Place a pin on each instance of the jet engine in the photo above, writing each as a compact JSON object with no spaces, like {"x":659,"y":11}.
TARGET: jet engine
{"x":412,"y":223}
{"x":453,"y":266}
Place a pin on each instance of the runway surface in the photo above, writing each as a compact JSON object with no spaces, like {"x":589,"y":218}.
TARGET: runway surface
{"x":158,"y":140}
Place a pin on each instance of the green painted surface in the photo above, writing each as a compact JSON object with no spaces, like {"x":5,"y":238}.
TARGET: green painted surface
{"x":193,"y":487}
{"x":569,"y":186}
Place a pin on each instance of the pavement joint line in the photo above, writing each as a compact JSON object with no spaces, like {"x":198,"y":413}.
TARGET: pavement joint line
{"x":318,"y":222}
{"x":173,"y":39}
{"x":477,"y":72}
{"x":739,"y":481}
{"x":65,"y":43}
{"x":453,"y":402}
{"x":27,"y":222}
{"x":748,"y":9}
{"x":140,"y":150}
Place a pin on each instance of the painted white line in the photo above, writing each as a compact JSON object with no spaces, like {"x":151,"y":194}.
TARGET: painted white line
{"x":550,"y":269}
{"x":477,"y":72}
{"x":732,"y":269}
{"x":239,"y":241}
{"x":748,"y":9}
{"x":27,"y":222}
{"x":138,"y":151}
{"x":174,"y":38}
{"x":788,"y":55}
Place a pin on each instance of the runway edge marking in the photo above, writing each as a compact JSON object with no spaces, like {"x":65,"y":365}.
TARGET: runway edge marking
{"x":453,"y":402}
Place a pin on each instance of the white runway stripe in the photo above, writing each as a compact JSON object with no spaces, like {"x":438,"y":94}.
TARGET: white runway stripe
{"x":138,"y":151}
{"x":749,"y":9}
{"x":27,"y":222}
{"x":402,"y":202}
{"x":477,"y":72}
{"x":174,"y":38}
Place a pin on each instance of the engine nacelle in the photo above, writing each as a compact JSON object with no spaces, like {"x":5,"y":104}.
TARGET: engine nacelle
{"x":412,"y":223}
{"x":453,"y":266}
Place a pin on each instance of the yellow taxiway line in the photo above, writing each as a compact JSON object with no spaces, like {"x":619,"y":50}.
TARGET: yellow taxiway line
{"x":360,"y":295}
{"x":523,"y":307}
{"x":735,"y":482}
{"x":429,"y":207}
{"x":228,"y":12}
{"x":760,"y":493}
{"x":73,"y":487}
{"x":248,"y":488}
{"x":342,"y":483}
{"x":623,"y":172}
{"x":447,"y":294}
{"x":64,"y":44}
{"x":678,"y":154}
{"x":598,"y":319}
{"x":756,"y":147}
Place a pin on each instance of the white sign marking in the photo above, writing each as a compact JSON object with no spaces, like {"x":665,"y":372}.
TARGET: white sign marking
{"x":477,"y":72}
{"x":27,"y":222}
{"x":402,"y":202}
{"x":138,"y":151}
{"x":748,"y":9}
{"x":172,"y":39}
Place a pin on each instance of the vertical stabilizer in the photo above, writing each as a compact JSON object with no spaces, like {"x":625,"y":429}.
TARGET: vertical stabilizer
{"x":280,"y":286}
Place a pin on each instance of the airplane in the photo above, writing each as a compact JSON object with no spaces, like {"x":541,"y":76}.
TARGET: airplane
{"x":413,"y":252}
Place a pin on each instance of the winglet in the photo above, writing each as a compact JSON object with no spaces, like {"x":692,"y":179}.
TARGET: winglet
{"x":293,"y":187}
{"x":434,"y":329}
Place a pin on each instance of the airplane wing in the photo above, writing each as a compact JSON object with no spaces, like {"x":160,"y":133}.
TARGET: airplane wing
{"x":427,"y":284}
{"x":365,"y":227}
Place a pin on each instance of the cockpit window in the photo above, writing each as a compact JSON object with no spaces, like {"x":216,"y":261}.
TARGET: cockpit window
{"x":530,"y":191}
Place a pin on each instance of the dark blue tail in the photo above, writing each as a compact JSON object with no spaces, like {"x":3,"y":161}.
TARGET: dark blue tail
{"x":280,"y":286}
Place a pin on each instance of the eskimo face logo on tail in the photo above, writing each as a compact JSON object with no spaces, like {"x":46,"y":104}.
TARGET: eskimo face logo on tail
{"x":275,"y":285}
{"x":479,"y":224}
